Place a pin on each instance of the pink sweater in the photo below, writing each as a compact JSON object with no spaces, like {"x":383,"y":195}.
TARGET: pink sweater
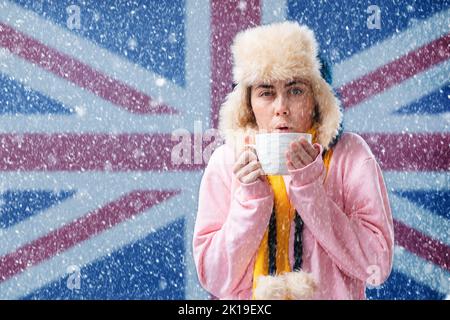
{"x":348,"y":229}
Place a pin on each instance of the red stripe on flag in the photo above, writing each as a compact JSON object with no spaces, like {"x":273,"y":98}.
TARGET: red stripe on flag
{"x":227,"y":19}
{"x":395,"y":72}
{"x":80,"y":230}
{"x":102,"y":152}
{"x":79,"y":73}
{"x":422,"y":245}
{"x":147,"y":152}
{"x":411,"y":152}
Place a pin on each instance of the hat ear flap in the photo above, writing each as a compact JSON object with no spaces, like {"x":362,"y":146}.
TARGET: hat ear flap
{"x":326,"y":70}
{"x":330,"y":114}
{"x":236,"y":119}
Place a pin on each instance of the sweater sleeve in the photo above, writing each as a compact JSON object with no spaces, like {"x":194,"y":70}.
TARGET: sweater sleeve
{"x":228,"y":228}
{"x":359,"y":240}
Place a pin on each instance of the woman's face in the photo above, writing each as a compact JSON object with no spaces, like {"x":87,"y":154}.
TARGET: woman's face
{"x":283,"y":106}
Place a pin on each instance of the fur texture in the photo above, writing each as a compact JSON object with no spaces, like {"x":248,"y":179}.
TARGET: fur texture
{"x":271,"y":288}
{"x":301,"y":285}
{"x":280,"y":51}
{"x":297,"y":285}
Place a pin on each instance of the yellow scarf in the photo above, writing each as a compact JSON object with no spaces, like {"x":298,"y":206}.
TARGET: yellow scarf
{"x":284,"y":215}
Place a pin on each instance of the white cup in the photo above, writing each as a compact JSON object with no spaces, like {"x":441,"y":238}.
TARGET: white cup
{"x":271,"y":148}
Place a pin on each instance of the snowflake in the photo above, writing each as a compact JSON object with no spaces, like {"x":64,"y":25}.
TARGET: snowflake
{"x":172,"y":38}
{"x":51,"y":159}
{"x":80,"y":111}
{"x":162,"y":284}
{"x":108,"y":166}
{"x":138,"y":153}
{"x":160,"y":82}
{"x":132,"y":43}
{"x":242,"y":6}
{"x":96,"y":16}
{"x":3,"y":52}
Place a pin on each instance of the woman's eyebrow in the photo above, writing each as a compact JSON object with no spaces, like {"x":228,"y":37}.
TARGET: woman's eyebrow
{"x":264,"y":86}
{"x":295,"y":82}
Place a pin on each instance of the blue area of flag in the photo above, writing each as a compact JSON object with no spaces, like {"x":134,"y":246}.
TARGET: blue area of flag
{"x":151,"y":268}
{"x":401,"y":287}
{"x":434,"y":103}
{"x":149,"y":33}
{"x":341,"y":26}
{"x":16,"y":98}
{"x":436,"y":201}
{"x":18,"y":205}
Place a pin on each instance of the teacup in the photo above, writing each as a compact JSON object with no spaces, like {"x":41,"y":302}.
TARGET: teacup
{"x":271,"y":149}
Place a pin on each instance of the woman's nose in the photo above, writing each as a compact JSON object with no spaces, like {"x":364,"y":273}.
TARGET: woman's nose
{"x":281,"y":107}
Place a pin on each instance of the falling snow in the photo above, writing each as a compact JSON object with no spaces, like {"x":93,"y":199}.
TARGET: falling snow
{"x":92,"y":99}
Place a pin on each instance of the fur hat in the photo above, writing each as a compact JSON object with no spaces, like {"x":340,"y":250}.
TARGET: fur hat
{"x":279,"y":51}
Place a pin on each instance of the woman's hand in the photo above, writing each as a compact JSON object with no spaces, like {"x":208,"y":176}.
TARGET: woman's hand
{"x":247,"y":168}
{"x":300,"y":154}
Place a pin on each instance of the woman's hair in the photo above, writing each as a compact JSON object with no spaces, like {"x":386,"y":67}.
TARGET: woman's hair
{"x":246,"y":115}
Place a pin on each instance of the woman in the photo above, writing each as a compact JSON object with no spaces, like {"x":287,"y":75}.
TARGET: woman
{"x":325,"y":230}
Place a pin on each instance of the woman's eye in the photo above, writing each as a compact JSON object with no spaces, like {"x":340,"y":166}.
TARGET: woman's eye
{"x":296,"y":91}
{"x":266,"y":94}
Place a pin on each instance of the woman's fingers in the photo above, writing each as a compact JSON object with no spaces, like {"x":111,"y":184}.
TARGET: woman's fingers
{"x":248,"y":169}
{"x":309,"y":148}
{"x":246,"y":157}
{"x":253,"y":176}
{"x":289,"y":163}
{"x":294,"y":160}
{"x":299,"y":155}
{"x":303,"y":154}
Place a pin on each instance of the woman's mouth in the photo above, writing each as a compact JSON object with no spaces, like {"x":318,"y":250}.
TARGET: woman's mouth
{"x":282,"y":129}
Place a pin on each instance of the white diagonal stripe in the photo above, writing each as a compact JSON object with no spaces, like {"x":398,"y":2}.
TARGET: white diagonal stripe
{"x":421,"y":270}
{"x":421,"y":33}
{"x":375,"y":114}
{"x":197,"y":73}
{"x":414,"y":180}
{"x":93,"y":191}
{"x":99,"y":246}
{"x":420,"y":219}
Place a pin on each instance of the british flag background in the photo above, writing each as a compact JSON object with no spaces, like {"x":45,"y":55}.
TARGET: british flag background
{"x":92,"y":205}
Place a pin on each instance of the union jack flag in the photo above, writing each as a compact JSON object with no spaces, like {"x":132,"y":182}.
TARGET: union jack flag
{"x":91,"y":205}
